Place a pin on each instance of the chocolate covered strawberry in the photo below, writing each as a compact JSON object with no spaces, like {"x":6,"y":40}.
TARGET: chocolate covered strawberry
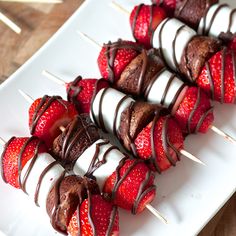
{"x":144,"y":19}
{"x":80,"y":92}
{"x":112,"y":62}
{"x":47,"y":114}
{"x":94,"y":216}
{"x":127,"y":182}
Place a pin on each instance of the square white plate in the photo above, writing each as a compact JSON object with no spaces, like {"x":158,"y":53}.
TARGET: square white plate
{"x":188,"y":195}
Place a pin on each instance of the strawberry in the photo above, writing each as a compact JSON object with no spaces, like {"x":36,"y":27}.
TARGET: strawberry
{"x":100,"y":216}
{"x":232,"y":44}
{"x":167,"y":134}
{"x":82,"y":91}
{"x":194,"y":113}
{"x":114,"y":57}
{"x":168,"y":5}
{"x":131,"y":185}
{"x":23,"y":148}
{"x":218,"y":76}
{"x":144,"y":19}
{"x":47,"y":114}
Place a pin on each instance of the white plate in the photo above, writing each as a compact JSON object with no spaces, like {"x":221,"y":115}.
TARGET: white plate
{"x":188,"y":195}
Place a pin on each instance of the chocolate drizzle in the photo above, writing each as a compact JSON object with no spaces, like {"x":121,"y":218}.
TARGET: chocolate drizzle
{"x":111,"y":50}
{"x":44,"y":104}
{"x":74,"y":90}
{"x":119,"y":180}
{"x":136,"y":15}
{"x":205,"y":29}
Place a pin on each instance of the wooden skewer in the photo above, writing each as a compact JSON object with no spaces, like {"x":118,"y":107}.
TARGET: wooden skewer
{"x":2,"y":141}
{"x":10,"y":23}
{"x":223,"y":134}
{"x":119,"y":8}
{"x":91,"y":40}
{"x":53,"y":77}
{"x":191,"y":157}
{"x":34,"y":1}
{"x":156,"y":213}
{"x":27,"y":97}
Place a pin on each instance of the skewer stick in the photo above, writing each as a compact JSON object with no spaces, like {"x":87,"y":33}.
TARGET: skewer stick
{"x":223,"y":134}
{"x":2,"y":141}
{"x":34,"y":1}
{"x":156,"y":213}
{"x":53,"y":77}
{"x":191,"y":157}
{"x":27,"y":97}
{"x":89,"y":39}
{"x":10,"y":23}
{"x":119,"y":8}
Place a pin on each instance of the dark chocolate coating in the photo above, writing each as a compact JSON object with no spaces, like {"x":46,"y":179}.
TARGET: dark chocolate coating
{"x":199,"y":50}
{"x":72,"y":191}
{"x":191,"y":11}
{"x":76,"y":138}
{"x":140,"y":72}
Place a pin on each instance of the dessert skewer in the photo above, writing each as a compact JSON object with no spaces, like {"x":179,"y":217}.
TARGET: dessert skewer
{"x":13,"y":26}
{"x":160,"y":87}
{"x":27,"y":165}
{"x":200,"y":59}
{"x":149,"y":110}
{"x":81,"y":129}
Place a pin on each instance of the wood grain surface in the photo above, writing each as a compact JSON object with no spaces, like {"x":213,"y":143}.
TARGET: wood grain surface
{"x":39,"y":22}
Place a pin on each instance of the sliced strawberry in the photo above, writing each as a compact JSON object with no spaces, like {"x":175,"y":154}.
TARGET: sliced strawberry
{"x":131,"y":186}
{"x":168,"y":5}
{"x":82,"y":91}
{"x":194,"y":113}
{"x":47,"y":114}
{"x":218,"y":76}
{"x":144,"y":19}
{"x":166,"y":134}
{"x":100,"y":218}
{"x":17,"y":149}
{"x":114,"y":57}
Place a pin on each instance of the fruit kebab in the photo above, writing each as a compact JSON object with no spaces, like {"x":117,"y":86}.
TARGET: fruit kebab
{"x":200,"y":59}
{"x":80,"y":140}
{"x":26,"y":165}
{"x":143,"y":116}
{"x":142,"y":73}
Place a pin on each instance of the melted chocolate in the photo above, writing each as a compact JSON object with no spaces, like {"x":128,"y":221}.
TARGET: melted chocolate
{"x":111,"y":50}
{"x":44,"y":104}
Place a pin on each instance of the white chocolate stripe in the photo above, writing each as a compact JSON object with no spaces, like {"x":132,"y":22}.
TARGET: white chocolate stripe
{"x":172,"y":36}
{"x":43,"y":161}
{"x":108,"y":100}
{"x":113,"y":158}
{"x":219,"y":18}
{"x":161,"y":85}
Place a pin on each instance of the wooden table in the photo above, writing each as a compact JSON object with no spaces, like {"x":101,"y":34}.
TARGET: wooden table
{"x":39,"y":22}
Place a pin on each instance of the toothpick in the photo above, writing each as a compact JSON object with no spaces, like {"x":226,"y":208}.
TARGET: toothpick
{"x":34,"y":1}
{"x":89,"y":39}
{"x":10,"y":23}
{"x":53,"y":77}
{"x":2,"y":141}
{"x":27,"y":97}
{"x":191,"y":157}
{"x":223,"y":134}
{"x":156,"y":213}
{"x":119,"y":7}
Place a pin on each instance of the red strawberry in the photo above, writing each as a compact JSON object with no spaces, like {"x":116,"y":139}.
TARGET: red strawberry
{"x":12,"y":153}
{"x":47,"y":114}
{"x":232,"y":44}
{"x":101,"y":214}
{"x":168,"y":5}
{"x":81,"y":92}
{"x":131,"y":186}
{"x":114,"y":57}
{"x":167,"y":133}
{"x":194,"y":113}
{"x":218,"y":77}
{"x":144,"y":19}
